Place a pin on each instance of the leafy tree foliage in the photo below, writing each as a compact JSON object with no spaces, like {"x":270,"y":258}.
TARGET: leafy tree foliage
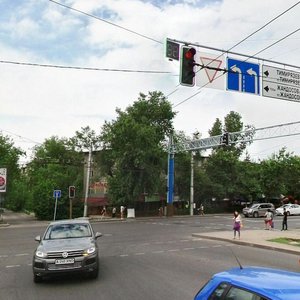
{"x":9,"y":157}
{"x":134,"y":148}
{"x":55,"y":166}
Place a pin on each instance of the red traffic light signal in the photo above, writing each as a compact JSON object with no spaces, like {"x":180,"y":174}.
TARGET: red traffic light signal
{"x":187,"y":64}
{"x":71,"y":191}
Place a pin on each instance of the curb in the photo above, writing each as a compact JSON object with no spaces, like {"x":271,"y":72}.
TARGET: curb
{"x":245,"y":243}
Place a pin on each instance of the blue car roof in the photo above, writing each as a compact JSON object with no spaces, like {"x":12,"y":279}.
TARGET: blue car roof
{"x":273,"y":283}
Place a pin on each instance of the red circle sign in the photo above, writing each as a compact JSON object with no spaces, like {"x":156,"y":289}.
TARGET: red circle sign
{"x":2,"y":181}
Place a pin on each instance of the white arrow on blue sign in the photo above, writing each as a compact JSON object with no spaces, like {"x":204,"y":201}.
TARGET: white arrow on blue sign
{"x":243,"y":76}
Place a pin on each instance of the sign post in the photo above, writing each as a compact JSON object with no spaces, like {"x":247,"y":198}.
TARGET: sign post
{"x":56,"y":195}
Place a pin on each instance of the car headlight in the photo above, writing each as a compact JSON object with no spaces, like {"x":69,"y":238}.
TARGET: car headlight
{"x":90,"y":251}
{"x":40,"y":254}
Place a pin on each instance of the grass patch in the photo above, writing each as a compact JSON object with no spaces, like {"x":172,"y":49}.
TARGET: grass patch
{"x":287,"y":241}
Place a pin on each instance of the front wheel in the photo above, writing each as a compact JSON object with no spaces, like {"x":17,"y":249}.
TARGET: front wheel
{"x":37,"y":278}
{"x":94,"y":273}
{"x":255,"y":214}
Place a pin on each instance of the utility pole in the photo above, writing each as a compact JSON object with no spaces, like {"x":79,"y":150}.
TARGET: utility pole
{"x":192,"y":185}
{"x":87,"y":183}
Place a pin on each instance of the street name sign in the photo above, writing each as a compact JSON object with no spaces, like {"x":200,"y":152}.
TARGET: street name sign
{"x":243,"y":76}
{"x":280,"y":83}
{"x":210,"y":73}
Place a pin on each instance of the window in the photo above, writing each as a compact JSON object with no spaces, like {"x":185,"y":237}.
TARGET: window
{"x":219,"y":291}
{"x":236,"y":293}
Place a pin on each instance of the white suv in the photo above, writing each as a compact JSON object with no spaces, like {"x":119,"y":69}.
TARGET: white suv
{"x":258,"y":210}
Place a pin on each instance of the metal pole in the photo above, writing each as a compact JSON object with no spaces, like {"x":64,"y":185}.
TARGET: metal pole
{"x":192,"y":185}
{"x":170,"y":193}
{"x":71,"y":208}
{"x":87,"y":183}
{"x":55,"y":207}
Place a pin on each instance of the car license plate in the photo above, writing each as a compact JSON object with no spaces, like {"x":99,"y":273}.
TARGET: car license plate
{"x":64,"y":261}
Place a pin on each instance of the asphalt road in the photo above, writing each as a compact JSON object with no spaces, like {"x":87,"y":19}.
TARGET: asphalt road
{"x":145,"y":259}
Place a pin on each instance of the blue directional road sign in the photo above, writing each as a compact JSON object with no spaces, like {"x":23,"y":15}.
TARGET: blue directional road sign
{"x":57,"y":193}
{"x":243,"y":76}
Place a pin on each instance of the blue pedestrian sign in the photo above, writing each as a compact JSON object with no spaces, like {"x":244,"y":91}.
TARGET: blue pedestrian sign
{"x":57,"y":193}
{"x":243,"y":76}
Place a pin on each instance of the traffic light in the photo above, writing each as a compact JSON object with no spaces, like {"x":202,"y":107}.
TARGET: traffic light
{"x":71,"y":191}
{"x":225,"y":138}
{"x":187,"y":63}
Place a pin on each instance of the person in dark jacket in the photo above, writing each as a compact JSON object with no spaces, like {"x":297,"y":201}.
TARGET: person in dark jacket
{"x":284,"y":220}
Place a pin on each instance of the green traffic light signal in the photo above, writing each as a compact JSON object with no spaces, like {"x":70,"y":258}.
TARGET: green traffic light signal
{"x":187,"y":63}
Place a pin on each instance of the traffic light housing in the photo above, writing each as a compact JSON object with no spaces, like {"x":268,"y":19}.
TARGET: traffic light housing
{"x":225,"y":138}
{"x":187,"y":64}
{"x":71,"y":191}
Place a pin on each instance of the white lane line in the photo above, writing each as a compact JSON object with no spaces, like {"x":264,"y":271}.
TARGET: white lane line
{"x":185,"y":249}
{"x":3,"y":256}
{"x":140,"y":253}
{"x":13,"y":266}
{"x":184,"y":241}
{"x":22,"y":254}
{"x":124,"y":255}
{"x":173,"y":250}
{"x":159,"y":251}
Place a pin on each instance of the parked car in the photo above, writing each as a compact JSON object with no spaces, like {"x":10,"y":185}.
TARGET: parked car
{"x":258,"y":210}
{"x":252,"y":283}
{"x":66,"y":246}
{"x":291,"y":209}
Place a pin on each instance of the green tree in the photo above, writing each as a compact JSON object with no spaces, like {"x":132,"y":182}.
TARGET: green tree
{"x":55,"y":166}
{"x":15,"y":195}
{"x":134,"y":151}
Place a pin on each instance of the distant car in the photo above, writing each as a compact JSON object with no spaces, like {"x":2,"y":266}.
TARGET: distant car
{"x":66,"y":246}
{"x":252,"y":283}
{"x":291,"y":209}
{"x":258,"y":210}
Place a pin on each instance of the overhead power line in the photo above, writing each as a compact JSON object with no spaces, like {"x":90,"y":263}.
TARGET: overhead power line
{"x":247,"y":37}
{"x":251,"y":56}
{"x":108,"y":22}
{"x":83,"y":68}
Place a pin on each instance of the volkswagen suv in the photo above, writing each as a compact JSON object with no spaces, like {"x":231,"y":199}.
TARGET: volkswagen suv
{"x":66,"y":246}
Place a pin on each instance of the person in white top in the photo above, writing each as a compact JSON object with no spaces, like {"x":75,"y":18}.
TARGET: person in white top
{"x":237,"y":223}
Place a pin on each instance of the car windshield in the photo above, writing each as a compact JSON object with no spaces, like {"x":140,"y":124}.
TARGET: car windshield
{"x":66,"y":231}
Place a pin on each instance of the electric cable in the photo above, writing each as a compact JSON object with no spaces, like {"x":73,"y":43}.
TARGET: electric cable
{"x":83,"y":68}
{"x":108,"y":22}
{"x":252,"y":56}
{"x":243,"y":40}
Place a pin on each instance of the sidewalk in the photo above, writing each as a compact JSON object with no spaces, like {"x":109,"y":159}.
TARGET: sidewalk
{"x":257,"y":238}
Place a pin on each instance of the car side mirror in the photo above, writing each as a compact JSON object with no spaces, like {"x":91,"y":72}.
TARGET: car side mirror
{"x":37,"y":238}
{"x":97,"y":235}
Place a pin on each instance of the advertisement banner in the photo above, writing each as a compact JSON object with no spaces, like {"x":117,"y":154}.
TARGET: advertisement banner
{"x":2,"y":180}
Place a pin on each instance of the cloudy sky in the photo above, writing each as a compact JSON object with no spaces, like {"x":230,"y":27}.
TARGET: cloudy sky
{"x":114,"y":36}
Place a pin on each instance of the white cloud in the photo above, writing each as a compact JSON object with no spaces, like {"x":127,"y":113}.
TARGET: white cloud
{"x":40,"y":102}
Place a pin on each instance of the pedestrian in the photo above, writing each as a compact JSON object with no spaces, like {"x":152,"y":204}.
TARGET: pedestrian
{"x":268,"y":219}
{"x":114,"y":210}
{"x":284,"y":220}
{"x":201,"y":210}
{"x":122,"y":210}
{"x":237,"y":224}
{"x":103,"y":212}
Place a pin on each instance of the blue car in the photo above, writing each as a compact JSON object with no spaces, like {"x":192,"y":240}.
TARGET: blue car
{"x":252,"y":283}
